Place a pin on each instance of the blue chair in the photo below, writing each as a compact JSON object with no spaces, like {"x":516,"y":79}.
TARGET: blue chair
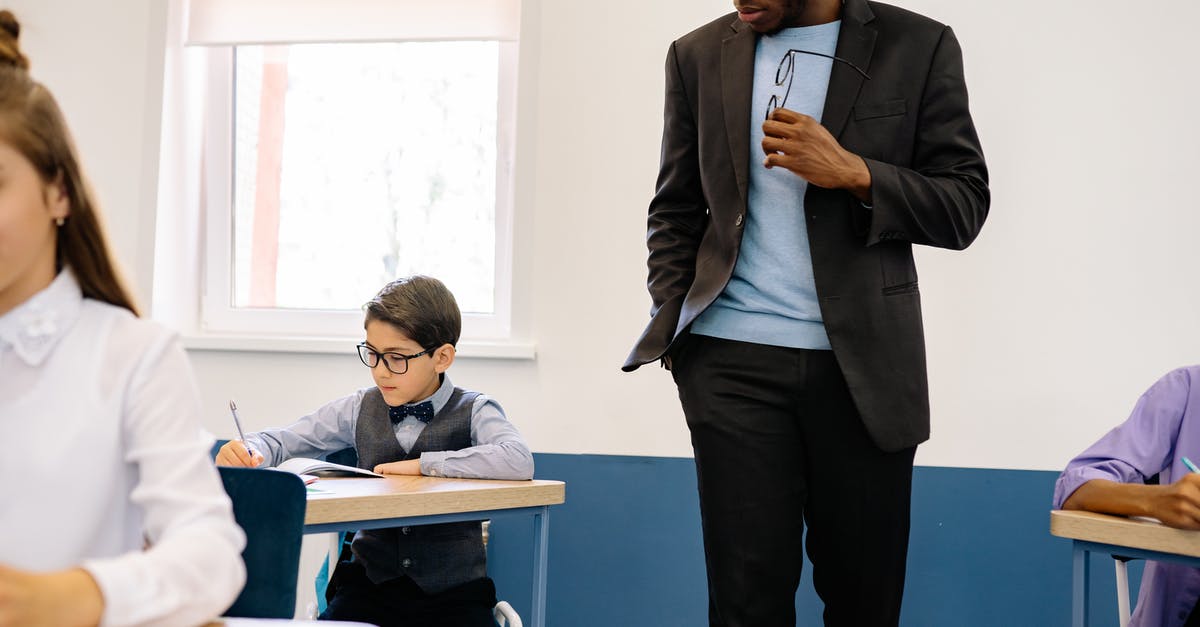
{"x":269,"y":507}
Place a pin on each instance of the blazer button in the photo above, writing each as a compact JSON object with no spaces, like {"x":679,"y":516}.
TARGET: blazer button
{"x":738,"y":221}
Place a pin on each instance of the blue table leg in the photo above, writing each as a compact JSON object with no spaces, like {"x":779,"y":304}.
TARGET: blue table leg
{"x":541,"y":542}
{"x":1079,"y":583}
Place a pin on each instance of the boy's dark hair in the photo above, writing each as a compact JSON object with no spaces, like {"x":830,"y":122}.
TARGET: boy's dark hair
{"x":421,"y":308}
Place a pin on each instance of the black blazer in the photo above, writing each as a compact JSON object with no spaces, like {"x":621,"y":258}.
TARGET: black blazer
{"x":910,"y":122}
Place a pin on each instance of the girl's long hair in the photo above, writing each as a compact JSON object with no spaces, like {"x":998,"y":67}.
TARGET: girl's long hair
{"x":32,"y":123}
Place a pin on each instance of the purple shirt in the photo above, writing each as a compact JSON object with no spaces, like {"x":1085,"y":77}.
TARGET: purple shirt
{"x":1163,"y":428}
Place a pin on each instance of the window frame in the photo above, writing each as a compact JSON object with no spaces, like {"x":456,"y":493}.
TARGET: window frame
{"x":218,"y":316}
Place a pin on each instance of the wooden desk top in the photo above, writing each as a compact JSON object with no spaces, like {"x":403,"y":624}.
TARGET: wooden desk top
{"x":1118,"y":530}
{"x":343,"y":500}
{"x":279,"y":622}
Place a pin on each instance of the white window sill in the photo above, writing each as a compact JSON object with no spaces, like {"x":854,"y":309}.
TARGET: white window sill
{"x":507,"y":349}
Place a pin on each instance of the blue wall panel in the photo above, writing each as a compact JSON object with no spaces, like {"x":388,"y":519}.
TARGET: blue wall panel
{"x":626,"y":549}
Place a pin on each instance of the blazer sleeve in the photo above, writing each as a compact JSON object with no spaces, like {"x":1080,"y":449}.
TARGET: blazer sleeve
{"x":942,"y":200}
{"x":678,"y":212}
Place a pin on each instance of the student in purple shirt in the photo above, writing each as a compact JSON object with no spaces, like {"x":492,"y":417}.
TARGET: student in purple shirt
{"x":1110,"y":476}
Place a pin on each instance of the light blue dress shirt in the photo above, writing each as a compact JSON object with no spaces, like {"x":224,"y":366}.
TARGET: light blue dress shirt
{"x":497,"y":449}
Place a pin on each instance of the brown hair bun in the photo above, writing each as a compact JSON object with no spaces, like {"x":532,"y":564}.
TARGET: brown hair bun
{"x":10,"y":51}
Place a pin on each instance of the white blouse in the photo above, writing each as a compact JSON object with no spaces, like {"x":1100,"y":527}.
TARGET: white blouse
{"x":105,"y":464}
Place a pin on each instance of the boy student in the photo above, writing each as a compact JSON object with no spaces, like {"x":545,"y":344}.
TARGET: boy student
{"x":1110,"y":477}
{"x":413,"y":422}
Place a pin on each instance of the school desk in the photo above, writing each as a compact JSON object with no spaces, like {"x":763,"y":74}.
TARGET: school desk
{"x":281,"y":622}
{"x":397,"y":501}
{"x":1129,"y":537}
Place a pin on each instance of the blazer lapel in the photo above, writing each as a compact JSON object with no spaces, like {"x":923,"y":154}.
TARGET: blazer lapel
{"x":737,"y":85}
{"x":856,"y":42}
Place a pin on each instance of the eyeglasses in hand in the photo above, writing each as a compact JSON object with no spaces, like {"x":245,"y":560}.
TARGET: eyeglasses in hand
{"x":396,"y":363}
{"x":786,"y":72}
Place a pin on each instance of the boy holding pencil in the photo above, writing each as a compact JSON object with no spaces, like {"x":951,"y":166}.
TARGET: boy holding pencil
{"x":414,"y":421}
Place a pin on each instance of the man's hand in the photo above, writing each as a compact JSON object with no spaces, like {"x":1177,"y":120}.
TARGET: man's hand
{"x":800,"y":144}
{"x":1178,"y":504}
{"x":65,"y":598}
{"x":406,"y":467}
{"x":234,"y":453}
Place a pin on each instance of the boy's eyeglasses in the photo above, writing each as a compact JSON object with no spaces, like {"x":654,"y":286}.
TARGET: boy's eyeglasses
{"x":787,"y":71}
{"x":396,"y":363}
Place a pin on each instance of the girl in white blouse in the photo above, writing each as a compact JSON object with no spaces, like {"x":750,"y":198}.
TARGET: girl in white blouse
{"x":111,"y":511}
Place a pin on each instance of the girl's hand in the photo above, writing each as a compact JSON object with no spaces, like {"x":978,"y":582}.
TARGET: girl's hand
{"x":67,"y":597}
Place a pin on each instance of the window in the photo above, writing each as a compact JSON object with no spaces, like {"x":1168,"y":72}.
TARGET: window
{"x":333,"y":165}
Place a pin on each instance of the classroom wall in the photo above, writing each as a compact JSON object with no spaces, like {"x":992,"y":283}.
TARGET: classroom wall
{"x":1041,"y":335}
{"x":979,"y":553}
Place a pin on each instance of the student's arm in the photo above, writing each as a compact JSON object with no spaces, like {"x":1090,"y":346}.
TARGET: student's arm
{"x":498,"y":451}
{"x":329,"y":429}
{"x":192,"y":569}
{"x":1176,"y":505}
{"x":65,"y":598}
{"x":1144,"y":445}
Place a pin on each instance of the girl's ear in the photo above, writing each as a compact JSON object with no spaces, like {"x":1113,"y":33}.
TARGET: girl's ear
{"x":443,"y":357}
{"x":57,"y":199}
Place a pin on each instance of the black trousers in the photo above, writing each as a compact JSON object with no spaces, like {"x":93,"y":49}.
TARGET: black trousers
{"x":400,"y":603}
{"x":778,"y":445}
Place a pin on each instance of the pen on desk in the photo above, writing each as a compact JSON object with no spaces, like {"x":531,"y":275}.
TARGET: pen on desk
{"x":238,"y":423}
{"x":1190,"y":466}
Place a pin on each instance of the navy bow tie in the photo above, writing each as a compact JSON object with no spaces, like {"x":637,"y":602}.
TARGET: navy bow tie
{"x":420,"y":411}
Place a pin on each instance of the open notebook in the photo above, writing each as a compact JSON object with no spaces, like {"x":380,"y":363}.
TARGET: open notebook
{"x":317,"y":468}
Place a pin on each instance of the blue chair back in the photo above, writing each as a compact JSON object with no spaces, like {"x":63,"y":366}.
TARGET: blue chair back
{"x":269,"y":507}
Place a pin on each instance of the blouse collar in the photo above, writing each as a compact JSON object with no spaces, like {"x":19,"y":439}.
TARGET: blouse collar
{"x":35,"y":326}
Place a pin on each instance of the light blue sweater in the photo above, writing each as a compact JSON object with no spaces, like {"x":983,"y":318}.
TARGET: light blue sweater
{"x":771,"y":298}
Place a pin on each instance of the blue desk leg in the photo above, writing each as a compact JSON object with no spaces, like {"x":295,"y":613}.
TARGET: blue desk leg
{"x":1079,"y":582}
{"x":541,"y":543}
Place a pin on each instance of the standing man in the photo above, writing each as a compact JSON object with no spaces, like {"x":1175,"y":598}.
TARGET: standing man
{"x":785,"y":295}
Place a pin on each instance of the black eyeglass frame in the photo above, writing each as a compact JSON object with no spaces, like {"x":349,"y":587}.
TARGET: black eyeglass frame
{"x":366,"y":354}
{"x":789,"y":59}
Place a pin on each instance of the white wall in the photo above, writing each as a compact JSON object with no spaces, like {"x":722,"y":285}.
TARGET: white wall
{"x":1081,"y":290}
{"x":1077,"y":295}
{"x":103,"y":62}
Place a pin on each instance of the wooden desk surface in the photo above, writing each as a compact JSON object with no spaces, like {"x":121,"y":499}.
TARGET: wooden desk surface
{"x":342,"y":500}
{"x":1118,"y":530}
{"x":279,"y":622}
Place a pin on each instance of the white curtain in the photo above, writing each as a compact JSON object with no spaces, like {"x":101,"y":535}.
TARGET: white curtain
{"x":231,"y":22}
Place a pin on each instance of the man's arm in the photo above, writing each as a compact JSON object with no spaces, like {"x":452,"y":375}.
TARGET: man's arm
{"x":677,"y":216}
{"x":942,"y":200}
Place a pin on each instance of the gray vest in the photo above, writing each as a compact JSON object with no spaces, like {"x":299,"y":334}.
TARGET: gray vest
{"x":436,"y":557}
